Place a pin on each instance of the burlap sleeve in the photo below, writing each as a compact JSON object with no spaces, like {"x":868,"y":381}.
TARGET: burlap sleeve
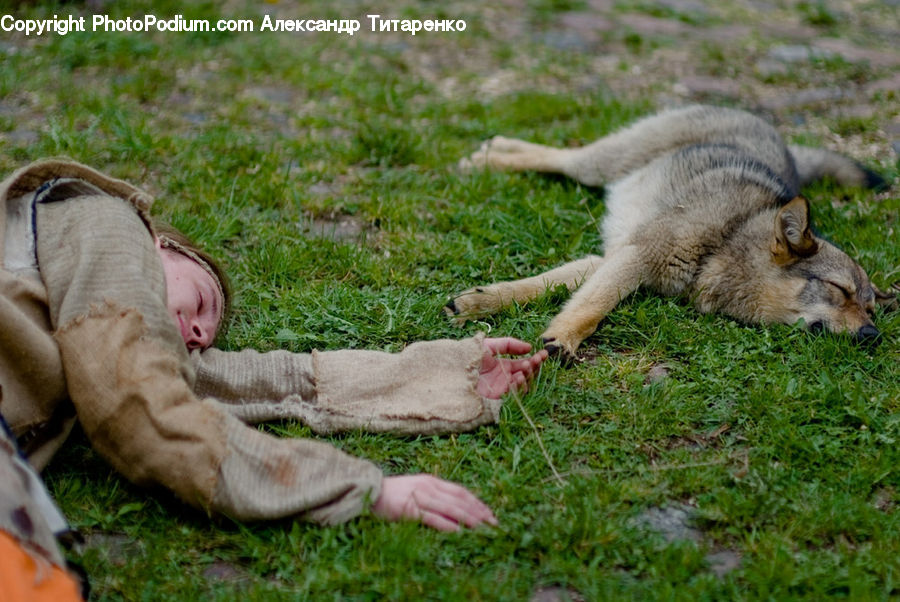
{"x":130,"y":378}
{"x":428,"y":388}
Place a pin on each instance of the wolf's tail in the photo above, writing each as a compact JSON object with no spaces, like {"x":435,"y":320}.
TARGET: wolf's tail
{"x":816,"y":163}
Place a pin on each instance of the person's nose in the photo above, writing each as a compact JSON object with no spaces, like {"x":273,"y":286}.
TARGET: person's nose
{"x":198,"y":336}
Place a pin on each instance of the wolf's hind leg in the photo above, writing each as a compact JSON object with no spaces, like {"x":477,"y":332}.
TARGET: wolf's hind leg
{"x":511,"y":154}
{"x":485,"y":300}
{"x":514,"y":145}
{"x":620,"y":153}
{"x":618,"y":276}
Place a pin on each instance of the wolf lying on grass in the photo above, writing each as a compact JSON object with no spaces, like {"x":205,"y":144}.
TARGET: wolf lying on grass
{"x":702,"y":202}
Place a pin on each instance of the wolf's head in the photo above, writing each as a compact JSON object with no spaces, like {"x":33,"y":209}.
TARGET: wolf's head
{"x":817,"y":282}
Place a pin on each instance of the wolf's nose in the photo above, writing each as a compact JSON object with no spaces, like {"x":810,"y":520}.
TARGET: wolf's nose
{"x":868,"y":335}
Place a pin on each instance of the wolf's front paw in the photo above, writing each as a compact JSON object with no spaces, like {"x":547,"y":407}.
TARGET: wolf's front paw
{"x":473,"y":303}
{"x":562,"y":339}
{"x":559,"y":350}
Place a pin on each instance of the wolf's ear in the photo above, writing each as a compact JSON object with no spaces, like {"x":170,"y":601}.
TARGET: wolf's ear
{"x":793,"y":240}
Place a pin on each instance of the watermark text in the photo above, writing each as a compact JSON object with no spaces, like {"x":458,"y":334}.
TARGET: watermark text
{"x":179,"y":24}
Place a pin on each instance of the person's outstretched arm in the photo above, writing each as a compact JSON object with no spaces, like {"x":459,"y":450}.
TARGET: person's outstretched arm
{"x":430,"y":387}
{"x":130,"y":379}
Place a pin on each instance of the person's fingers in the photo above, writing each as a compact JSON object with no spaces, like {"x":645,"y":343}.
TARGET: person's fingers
{"x":452,"y":493}
{"x":504,"y":345}
{"x":456,"y":502}
{"x":456,"y":490}
{"x":451,"y":511}
{"x":526,"y":366}
{"x":535,"y":361}
{"x":441,"y":523}
{"x":520,"y":383}
{"x":499,"y":375}
{"x":437,"y":503}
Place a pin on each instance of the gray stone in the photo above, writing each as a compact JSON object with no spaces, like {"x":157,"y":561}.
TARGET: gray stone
{"x":884,"y":499}
{"x":699,"y":85}
{"x":797,"y":53}
{"x":225,"y":571}
{"x":789,"y":30}
{"x":888,"y":84}
{"x":589,"y":26}
{"x":195,"y":118}
{"x":723,"y":562}
{"x":657,"y":373}
{"x":806,"y":97}
{"x":321,"y":189}
{"x":556,"y":593}
{"x":854,"y":54}
{"x":684,"y":7}
{"x":769,"y":67}
{"x":565,"y":39}
{"x":22,"y":136}
{"x":647,"y":25}
{"x":672,"y":522}
{"x":342,"y":228}
{"x":675,"y":523}
{"x":10,"y":108}
{"x":725,"y":33}
{"x":859,"y":111}
{"x":272,"y":94}
{"x":117,"y":548}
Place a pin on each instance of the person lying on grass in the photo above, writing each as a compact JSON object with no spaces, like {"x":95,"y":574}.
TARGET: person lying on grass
{"x":109,"y":320}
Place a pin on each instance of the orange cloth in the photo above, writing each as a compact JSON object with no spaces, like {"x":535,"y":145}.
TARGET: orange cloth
{"x":22,"y":579}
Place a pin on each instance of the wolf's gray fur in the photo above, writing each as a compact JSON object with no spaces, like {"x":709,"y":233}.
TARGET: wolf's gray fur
{"x":701,"y":201}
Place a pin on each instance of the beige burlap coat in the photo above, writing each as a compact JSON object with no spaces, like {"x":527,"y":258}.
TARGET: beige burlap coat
{"x":85,"y":335}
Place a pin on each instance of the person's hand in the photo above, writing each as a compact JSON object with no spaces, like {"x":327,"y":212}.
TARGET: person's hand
{"x":439,"y":504}
{"x":501,"y":375}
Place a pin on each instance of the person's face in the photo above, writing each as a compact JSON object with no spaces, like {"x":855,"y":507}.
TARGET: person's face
{"x":193,"y":299}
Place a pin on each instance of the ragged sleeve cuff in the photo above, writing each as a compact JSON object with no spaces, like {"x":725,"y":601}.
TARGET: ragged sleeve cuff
{"x":429,"y":387}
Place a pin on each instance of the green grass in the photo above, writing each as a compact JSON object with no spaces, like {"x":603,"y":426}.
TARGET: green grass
{"x":785,"y":442}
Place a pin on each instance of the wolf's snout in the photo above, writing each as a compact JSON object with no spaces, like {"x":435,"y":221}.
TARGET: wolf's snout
{"x":868,"y":335}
